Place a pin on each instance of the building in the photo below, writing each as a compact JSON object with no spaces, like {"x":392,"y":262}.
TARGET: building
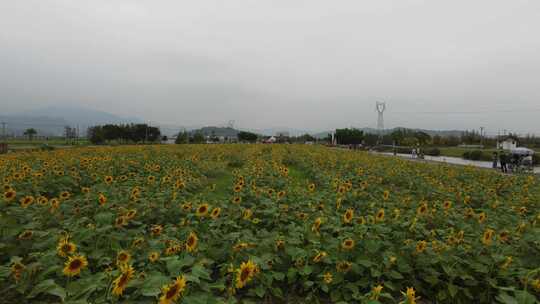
{"x":508,"y":143}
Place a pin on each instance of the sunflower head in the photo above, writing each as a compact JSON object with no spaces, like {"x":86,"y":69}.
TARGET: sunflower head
{"x":171,"y":293}
{"x":9,"y":195}
{"x":191,"y":242}
{"x":379,"y":217}
{"x":153,"y":256}
{"x":245,"y":273}
{"x":65,"y":247}
{"x":120,"y":283}
{"x":421,"y":246}
{"x":123,"y":257}
{"x":202,"y":210}
{"x":27,"y":201}
{"x":344,"y":266}
{"x":74,"y":265}
{"x":328,"y":278}
{"x":65,"y":195}
{"x":348,"y":216}
{"x":347,"y":244}
{"x":215,"y":213}
{"x":26,"y":235}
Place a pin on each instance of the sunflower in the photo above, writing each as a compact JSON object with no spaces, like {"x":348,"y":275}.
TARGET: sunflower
{"x":102,"y":199}
{"x":328,"y":278}
{"x":74,"y":265}
{"x":108,"y":179}
{"x":237,"y":188}
{"x":487,"y":236}
{"x":65,"y":195}
{"x":247,"y":214}
{"x":344,"y":266}
{"x":504,"y":236}
{"x":348,"y":216}
{"x":156,"y":230}
{"x":171,"y":292}
{"x":202,"y":210}
{"x":447,"y":205}
{"x":421,"y":246}
{"x":422,"y":209}
{"x":379,"y":217}
{"x":316,"y":225}
{"x":191,"y":242}
{"x":137,"y":242}
{"x":410,"y":294}
{"x":131,"y":214}
{"x":347,"y":244}
{"x":26,"y":201}
{"x":123,"y":257}
{"x":151,"y":179}
{"x":386,"y":195}
{"x":55,"y":203}
{"x":281,"y":194}
{"x":26,"y":235}
{"x":215,"y":213}
{"x":9,"y":195}
{"x":121,"y":221}
{"x":280,"y":244}
{"x":42,"y":200}
{"x":65,"y":247}
{"x":121,"y":281}
{"x":376,"y":292}
{"x":17,"y":269}
{"x":311,"y":187}
{"x":179,"y":184}
{"x":245,"y":273}
{"x":319,"y":256}
{"x":153,"y":256}
{"x":237,"y":200}
{"x":482,"y":217}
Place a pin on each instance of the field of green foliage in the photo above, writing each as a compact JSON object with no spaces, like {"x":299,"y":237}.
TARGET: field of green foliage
{"x":262,"y":224}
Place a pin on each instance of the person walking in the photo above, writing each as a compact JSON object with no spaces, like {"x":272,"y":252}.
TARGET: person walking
{"x":495,"y":160}
{"x":503,"y":160}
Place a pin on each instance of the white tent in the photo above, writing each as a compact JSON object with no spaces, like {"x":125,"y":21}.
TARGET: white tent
{"x":522,"y":151}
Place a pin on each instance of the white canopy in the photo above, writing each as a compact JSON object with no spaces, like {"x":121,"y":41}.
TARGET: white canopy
{"x":522,"y":151}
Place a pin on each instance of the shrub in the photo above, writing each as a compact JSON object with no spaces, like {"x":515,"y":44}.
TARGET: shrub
{"x":433,"y":152}
{"x":473,"y":155}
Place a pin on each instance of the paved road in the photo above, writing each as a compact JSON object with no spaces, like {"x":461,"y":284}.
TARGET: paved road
{"x":453,"y":160}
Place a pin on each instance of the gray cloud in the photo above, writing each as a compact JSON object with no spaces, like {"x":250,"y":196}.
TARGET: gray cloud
{"x":305,"y":64}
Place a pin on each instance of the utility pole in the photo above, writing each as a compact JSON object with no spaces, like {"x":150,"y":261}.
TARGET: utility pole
{"x":4,"y":131}
{"x":481,"y":135}
{"x":146,"y":134}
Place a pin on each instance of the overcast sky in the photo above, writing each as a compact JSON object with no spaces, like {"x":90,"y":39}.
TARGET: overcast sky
{"x":303,"y":64}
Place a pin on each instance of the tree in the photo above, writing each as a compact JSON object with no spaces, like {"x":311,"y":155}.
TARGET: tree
{"x":247,"y":136}
{"x":95,"y":135}
{"x":198,"y":138}
{"x":31,"y":132}
{"x":182,"y":138}
{"x":349,"y":136}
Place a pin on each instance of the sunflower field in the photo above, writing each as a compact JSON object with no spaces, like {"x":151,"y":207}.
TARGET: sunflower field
{"x":262,"y":224}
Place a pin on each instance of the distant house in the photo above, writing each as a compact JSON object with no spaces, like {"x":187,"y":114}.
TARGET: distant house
{"x":508,"y":143}
{"x":270,"y":140}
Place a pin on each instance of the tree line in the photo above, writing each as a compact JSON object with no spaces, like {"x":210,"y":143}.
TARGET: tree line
{"x":123,"y":133}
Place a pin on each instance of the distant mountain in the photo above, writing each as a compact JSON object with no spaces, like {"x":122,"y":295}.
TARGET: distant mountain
{"x":81,"y":116}
{"x":45,"y":126}
{"x":50,"y":121}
